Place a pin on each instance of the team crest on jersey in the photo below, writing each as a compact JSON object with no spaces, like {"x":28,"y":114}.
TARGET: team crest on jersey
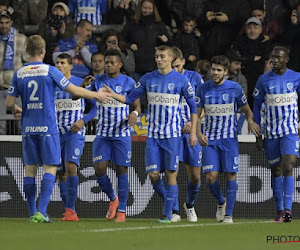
{"x":177,"y":159}
{"x":77,"y":151}
{"x":225,"y":97}
{"x":236,"y":160}
{"x":297,"y":144}
{"x":255,"y":92}
{"x":197,"y":99}
{"x":137,"y":84}
{"x":200,"y":155}
{"x":119,"y":89}
{"x":289,"y":85}
{"x":171,"y":86}
{"x":129,"y":154}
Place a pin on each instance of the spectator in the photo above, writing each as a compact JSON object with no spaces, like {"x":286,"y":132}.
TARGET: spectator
{"x":234,"y":69}
{"x":189,"y":40}
{"x":17,"y":24}
{"x":143,"y":34}
{"x":121,"y":9}
{"x":220,"y":21}
{"x":111,"y":39}
{"x":32,"y":12}
{"x":89,"y":10}
{"x":55,"y":27}
{"x":98,"y":64}
{"x":255,"y":49}
{"x":79,"y":47}
{"x":14,"y":55}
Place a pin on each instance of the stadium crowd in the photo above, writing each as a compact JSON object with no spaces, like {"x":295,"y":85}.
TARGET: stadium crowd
{"x":237,"y":44}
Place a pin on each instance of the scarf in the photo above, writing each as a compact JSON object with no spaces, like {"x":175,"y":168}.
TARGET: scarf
{"x":9,"y":41}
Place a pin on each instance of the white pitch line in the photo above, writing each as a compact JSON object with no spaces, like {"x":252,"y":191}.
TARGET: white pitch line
{"x":170,"y":226}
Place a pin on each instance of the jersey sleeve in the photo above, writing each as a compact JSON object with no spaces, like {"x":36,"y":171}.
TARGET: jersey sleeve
{"x":198,"y":97}
{"x":259,"y":92}
{"x":59,"y":78}
{"x":187,"y":89}
{"x":240,"y":96}
{"x":13,"y":88}
{"x":139,"y":89}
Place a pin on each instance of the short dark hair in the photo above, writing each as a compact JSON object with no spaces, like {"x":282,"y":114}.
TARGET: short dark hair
{"x":188,"y":19}
{"x":282,"y":48}
{"x":221,"y":60}
{"x":97,"y":53}
{"x":113,"y":52}
{"x":66,"y":56}
{"x":82,"y":23}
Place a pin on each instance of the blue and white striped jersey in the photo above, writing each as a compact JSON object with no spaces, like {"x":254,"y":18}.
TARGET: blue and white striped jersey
{"x":35,"y":83}
{"x":68,"y":111}
{"x":112,"y":114}
{"x":195,"y":80}
{"x":280,"y":96}
{"x":220,"y":104}
{"x":91,"y":10}
{"x":164,"y":93}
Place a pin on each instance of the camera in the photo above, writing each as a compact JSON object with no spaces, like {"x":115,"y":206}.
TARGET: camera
{"x":54,"y":21}
{"x":218,"y":13}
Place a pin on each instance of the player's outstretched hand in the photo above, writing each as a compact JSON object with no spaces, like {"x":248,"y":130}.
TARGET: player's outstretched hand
{"x":77,"y":126}
{"x":254,"y":127}
{"x":17,"y":112}
{"x":102,"y":95}
{"x":132,"y":118}
{"x":202,"y":139}
{"x":193,"y":139}
{"x":87,"y":81}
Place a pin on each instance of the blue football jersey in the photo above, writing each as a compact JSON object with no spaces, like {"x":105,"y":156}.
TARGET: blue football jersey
{"x":279,"y":94}
{"x":35,"y":83}
{"x":220,"y":104}
{"x":164,"y":93}
{"x":68,"y":111}
{"x":112,"y":114}
{"x":91,"y":10}
{"x":196,"y":80}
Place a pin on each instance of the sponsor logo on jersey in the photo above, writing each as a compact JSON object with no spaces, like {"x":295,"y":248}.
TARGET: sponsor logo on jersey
{"x":33,"y":105}
{"x":29,"y":71}
{"x":219,"y":109}
{"x":110,"y":102}
{"x":163,"y":99}
{"x":255,"y":92}
{"x":87,"y":10}
{"x":97,"y":158}
{"x":274,"y":161}
{"x":67,"y":104}
{"x":281,"y":99}
{"x":208,"y":167}
{"x":36,"y":129}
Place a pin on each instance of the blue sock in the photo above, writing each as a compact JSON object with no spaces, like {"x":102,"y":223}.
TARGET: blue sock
{"x":72,"y":184}
{"x":192,"y":192}
{"x":288,"y":191}
{"x":46,"y":191}
{"x":29,"y":189}
{"x":106,"y":186}
{"x":159,"y":188}
{"x":123,"y":188}
{"x":231,"y":189}
{"x":276,"y":184}
{"x":175,"y":207}
{"x":216,"y":191}
{"x":169,"y":200}
{"x":63,"y":192}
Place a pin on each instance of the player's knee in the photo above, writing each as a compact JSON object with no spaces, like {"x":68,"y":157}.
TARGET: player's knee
{"x":121,"y":170}
{"x":276,"y":171}
{"x":71,"y":169}
{"x":99,"y":171}
{"x":195,"y":179}
{"x":154,"y":176}
{"x":287,"y":169}
{"x":210,"y":178}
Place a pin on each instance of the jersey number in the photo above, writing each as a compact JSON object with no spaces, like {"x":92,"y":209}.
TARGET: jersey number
{"x":35,"y":86}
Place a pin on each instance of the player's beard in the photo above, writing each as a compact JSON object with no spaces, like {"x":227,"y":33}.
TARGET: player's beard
{"x":219,"y":81}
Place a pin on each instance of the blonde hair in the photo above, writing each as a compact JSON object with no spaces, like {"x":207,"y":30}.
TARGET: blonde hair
{"x":35,"y":45}
{"x":177,"y":53}
{"x":165,"y":48}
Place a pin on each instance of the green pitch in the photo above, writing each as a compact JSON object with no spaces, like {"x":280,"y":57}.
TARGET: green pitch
{"x":142,"y":234}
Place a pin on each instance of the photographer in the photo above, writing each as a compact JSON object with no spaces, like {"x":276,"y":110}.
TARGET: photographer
{"x":56,"y":26}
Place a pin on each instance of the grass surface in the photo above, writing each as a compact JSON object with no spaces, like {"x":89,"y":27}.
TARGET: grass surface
{"x":145,"y":234}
